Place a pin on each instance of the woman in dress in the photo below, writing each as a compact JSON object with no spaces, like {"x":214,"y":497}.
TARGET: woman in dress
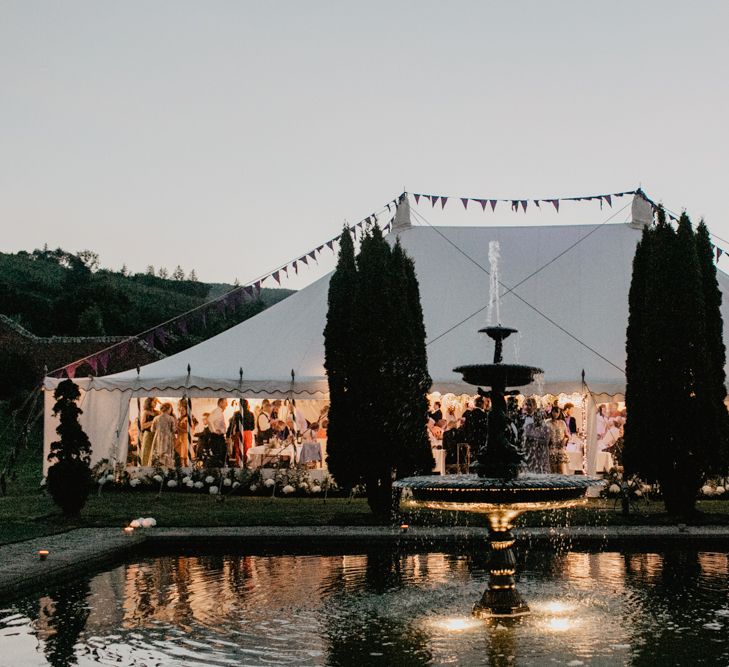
{"x":182,"y":439}
{"x":558,"y":438}
{"x":149,"y":412}
{"x":536,"y":436}
{"x":164,"y":428}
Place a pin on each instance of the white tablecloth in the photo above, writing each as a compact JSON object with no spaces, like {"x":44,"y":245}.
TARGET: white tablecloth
{"x":259,"y":455}
{"x":603,"y":463}
{"x":439,"y":456}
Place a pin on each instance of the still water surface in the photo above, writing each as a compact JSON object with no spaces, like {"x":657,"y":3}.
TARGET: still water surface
{"x":379,"y":608}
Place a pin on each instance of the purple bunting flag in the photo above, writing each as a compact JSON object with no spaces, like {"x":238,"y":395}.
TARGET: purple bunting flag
{"x":274,"y":275}
{"x":483,"y":203}
{"x":104,"y":360}
{"x":161,"y":335}
{"x":443,"y":201}
{"x":719,"y":253}
{"x":465,"y":202}
{"x":417,"y":199}
{"x":555,"y":203}
{"x":182,"y":325}
{"x":608,"y":199}
{"x":303,"y":259}
{"x":524,"y":203}
{"x":94,"y":363}
{"x":493,"y":204}
{"x":433,"y":200}
{"x":330,"y":245}
{"x":515,"y":205}
{"x":536,"y":203}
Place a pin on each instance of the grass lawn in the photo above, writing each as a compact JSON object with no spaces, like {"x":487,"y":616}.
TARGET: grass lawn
{"x":26,"y":512}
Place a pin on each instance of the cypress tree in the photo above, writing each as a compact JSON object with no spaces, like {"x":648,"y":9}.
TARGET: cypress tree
{"x":413,"y":451}
{"x":675,"y":364}
{"x":338,"y":353}
{"x":715,"y":349}
{"x":374,"y":387}
{"x":637,"y":388}
{"x":377,"y":368}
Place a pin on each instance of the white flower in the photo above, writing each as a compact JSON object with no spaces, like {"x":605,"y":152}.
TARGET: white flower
{"x":110,"y":478}
{"x":269,"y":482}
{"x":147,"y":523}
{"x":316,"y":489}
{"x":236,"y":485}
{"x":720,"y":490}
{"x":153,"y":522}
{"x":303,"y":486}
{"x":186,"y":479}
{"x":638,"y":493}
{"x":198,"y":485}
{"x":172,"y":483}
{"x":614,"y":489}
{"x":43,"y":482}
{"x":209,"y":479}
{"x":253,"y":488}
{"x":102,"y":481}
{"x":707,"y":490}
{"x":189,"y":483}
{"x":135,"y":482}
{"x":227,"y":481}
{"x":213,"y":490}
{"x":288,"y":489}
{"x":157,"y":478}
{"x":136,"y":524}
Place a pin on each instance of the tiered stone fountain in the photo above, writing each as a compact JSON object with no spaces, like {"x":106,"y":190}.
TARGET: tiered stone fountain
{"x":495,"y":487}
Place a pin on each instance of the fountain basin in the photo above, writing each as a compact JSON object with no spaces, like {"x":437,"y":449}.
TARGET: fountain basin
{"x":529,"y":490}
{"x":499,"y":375}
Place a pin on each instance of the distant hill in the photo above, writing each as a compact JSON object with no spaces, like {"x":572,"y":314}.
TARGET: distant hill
{"x":57,"y":293}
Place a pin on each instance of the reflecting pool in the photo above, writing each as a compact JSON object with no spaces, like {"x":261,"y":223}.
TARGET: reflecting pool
{"x":377,"y":608}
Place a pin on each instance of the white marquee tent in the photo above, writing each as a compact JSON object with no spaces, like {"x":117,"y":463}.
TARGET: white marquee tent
{"x":569,"y":302}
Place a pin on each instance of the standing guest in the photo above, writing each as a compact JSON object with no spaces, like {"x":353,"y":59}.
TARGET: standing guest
{"x":216,"y":424}
{"x":249,"y":425}
{"x":164,"y":428}
{"x":601,"y":422}
{"x":476,"y":426}
{"x":537,"y":435}
{"x":263,"y":423}
{"x":235,"y":436}
{"x":149,"y":412}
{"x":182,"y":440}
{"x":558,"y":438}
{"x":276,"y":409}
{"x":202,"y":440}
{"x":437,"y":413}
{"x":569,"y":420}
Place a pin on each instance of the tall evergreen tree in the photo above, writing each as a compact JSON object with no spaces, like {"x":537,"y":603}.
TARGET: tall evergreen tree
{"x":715,"y":349}
{"x":672,"y":434}
{"x":338,"y":352}
{"x":377,"y":368}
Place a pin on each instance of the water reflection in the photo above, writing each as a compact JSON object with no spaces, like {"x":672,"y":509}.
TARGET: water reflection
{"x":384,"y":608}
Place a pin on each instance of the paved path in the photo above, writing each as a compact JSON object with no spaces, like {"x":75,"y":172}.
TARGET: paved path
{"x":86,"y":549}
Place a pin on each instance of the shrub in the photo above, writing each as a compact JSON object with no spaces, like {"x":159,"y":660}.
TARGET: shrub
{"x":69,"y":477}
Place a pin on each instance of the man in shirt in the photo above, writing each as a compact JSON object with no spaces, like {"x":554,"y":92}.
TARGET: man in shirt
{"x":216,"y":424}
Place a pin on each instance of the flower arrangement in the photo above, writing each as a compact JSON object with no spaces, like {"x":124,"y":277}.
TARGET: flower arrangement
{"x":285,"y":482}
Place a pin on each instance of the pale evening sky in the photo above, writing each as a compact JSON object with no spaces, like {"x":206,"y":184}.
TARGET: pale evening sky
{"x":234,"y":136}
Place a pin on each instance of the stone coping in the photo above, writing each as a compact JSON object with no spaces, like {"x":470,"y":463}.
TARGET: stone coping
{"x":81,"y":551}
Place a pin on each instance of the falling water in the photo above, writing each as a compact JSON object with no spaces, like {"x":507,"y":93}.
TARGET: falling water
{"x":494,"y":302}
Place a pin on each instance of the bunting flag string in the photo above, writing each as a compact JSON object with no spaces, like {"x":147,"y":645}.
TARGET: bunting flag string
{"x":99,"y":361}
{"x":522,"y":204}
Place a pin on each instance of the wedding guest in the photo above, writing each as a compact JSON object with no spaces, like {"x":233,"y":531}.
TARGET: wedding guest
{"x":216,"y":424}
{"x":263,"y":423}
{"x":569,"y":420}
{"x":437,"y":413}
{"x":558,"y":438}
{"x":182,"y":440}
{"x":164,"y":427}
{"x":476,"y":426}
{"x":536,"y":439}
{"x":235,"y":437}
{"x":601,"y":422}
{"x":249,"y":425}
{"x":149,"y":412}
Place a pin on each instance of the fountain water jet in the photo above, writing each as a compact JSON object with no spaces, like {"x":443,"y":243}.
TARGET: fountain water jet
{"x":495,"y":487}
